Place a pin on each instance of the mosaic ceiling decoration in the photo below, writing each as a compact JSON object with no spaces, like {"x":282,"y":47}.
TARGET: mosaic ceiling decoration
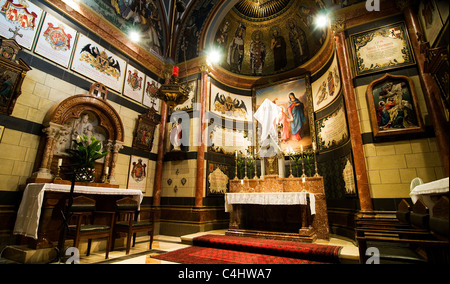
{"x":266,"y":37}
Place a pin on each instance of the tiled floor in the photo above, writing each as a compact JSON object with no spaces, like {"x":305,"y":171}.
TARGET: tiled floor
{"x":140,"y":253}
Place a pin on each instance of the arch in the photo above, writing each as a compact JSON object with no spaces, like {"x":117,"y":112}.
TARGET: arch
{"x":74,"y":106}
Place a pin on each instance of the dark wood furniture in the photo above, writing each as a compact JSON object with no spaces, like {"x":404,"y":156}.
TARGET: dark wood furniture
{"x":128,"y":222}
{"x":414,"y":229}
{"x":84,"y":225}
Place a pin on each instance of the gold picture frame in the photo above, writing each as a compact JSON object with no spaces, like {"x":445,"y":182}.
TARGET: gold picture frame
{"x":393,"y":106}
{"x":381,"y":49}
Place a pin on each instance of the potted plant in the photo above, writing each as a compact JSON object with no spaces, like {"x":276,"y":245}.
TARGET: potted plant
{"x":85,"y":153}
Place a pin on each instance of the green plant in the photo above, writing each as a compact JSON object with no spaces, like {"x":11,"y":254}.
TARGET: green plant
{"x":86,"y":152}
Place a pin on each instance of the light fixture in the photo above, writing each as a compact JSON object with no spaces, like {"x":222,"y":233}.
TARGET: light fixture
{"x":213,"y":56}
{"x":321,"y":20}
{"x":172,"y":93}
{"x":135,"y":36}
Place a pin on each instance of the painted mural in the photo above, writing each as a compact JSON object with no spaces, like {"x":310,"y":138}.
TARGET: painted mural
{"x":144,"y":17}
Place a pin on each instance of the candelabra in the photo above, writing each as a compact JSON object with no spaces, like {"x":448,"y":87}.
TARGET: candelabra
{"x":290,"y":164}
{"x":255,"y":168}
{"x":236,"y":172}
{"x":303,"y":164}
{"x":57,"y":177}
{"x":245,"y":166}
{"x":315,"y":161}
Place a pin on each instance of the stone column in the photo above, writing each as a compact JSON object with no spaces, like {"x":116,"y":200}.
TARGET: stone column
{"x":116,"y":148}
{"x":430,"y":89}
{"x":52,"y":133}
{"x":352,"y":116}
{"x":157,"y":185}
{"x":201,"y":149}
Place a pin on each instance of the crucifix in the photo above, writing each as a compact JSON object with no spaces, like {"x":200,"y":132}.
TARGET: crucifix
{"x":15,"y":33}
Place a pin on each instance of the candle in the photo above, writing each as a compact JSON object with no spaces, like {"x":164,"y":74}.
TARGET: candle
{"x":314,"y":146}
{"x":107,"y":170}
{"x":303,"y":179}
{"x":236,"y":154}
{"x":175,"y":71}
{"x":60,"y":162}
{"x":301,"y":148}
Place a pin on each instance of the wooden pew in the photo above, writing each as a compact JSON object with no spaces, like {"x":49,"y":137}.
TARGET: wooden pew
{"x":410,"y":228}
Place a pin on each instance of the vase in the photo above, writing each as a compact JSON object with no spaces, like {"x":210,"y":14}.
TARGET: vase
{"x":85,"y":175}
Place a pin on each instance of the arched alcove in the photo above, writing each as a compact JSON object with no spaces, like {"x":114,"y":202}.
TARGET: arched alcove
{"x":85,"y":114}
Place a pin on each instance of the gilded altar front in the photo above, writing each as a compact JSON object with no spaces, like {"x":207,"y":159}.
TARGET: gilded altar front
{"x":310,"y":210}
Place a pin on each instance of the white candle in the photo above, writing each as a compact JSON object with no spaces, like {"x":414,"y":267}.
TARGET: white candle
{"x":107,"y":170}
{"x":301,"y":148}
{"x":303,"y":179}
{"x":236,"y":154}
{"x":60,"y":162}
{"x":314,"y":146}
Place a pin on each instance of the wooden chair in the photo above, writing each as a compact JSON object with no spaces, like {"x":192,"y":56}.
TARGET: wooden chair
{"x":439,"y":225}
{"x":420,"y":216}
{"x":403,"y":212}
{"x":84,"y":223}
{"x":127,"y":221}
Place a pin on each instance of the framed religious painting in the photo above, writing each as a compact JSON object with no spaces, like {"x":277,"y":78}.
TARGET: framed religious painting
{"x":137,"y":177}
{"x":393,"y":106}
{"x":381,"y":49}
{"x":12,"y":75}
{"x":295,"y":113}
{"x":144,"y":132}
{"x":56,"y":41}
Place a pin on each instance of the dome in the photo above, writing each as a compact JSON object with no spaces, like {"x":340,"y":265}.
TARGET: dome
{"x":266,"y":37}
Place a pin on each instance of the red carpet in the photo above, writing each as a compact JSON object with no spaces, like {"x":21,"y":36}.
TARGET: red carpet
{"x":219,"y":249}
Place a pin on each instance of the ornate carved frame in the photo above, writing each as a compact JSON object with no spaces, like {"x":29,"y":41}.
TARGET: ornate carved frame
{"x":377,"y":130}
{"x":74,"y":107}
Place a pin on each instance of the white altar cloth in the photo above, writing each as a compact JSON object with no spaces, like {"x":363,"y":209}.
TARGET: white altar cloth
{"x":28,"y":215}
{"x":270,"y":198}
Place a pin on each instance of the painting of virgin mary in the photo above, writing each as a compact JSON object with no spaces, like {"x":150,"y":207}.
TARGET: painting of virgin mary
{"x":294,"y":122}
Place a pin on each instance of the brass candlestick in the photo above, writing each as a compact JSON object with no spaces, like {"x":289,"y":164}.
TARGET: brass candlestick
{"x":303,"y":165}
{"x":236,"y":172}
{"x":315,"y":161}
{"x":57,"y":177}
{"x":290,"y":164}
{"x":245,"y":165}
{"x":255,"y":168}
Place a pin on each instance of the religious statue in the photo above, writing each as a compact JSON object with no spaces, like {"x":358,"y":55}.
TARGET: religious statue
{"x":176,"y":134}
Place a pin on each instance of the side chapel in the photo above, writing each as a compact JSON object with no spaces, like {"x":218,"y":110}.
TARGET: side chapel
{"x":300,"y":121}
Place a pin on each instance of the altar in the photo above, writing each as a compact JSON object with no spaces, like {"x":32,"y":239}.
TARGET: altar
{"x":39,"y":216}
{"x":278,"y":208}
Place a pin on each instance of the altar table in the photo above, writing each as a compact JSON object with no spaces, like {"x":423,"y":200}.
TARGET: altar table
{"x":37,"y":217}
{"x":287,"y":202}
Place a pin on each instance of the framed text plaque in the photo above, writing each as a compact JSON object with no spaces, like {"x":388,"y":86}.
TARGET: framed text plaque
{"x":381,"y":49}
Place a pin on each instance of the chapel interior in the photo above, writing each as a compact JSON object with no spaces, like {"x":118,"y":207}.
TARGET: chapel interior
{"x":306,"y":121}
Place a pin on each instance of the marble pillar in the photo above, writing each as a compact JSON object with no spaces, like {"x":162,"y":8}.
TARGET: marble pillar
{"x":201,"y":149}
{"x":352,"y":116}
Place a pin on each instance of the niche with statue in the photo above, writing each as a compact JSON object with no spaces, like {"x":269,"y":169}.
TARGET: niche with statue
{"x":80,"y":120}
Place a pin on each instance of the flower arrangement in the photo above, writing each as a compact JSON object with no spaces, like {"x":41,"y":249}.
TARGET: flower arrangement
{"x":85,"y":153}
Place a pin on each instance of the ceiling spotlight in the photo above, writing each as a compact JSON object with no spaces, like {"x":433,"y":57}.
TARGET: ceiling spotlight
{"x":322,"y":20}
{"x":135,"y":36}
{"x":214,"y":56}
